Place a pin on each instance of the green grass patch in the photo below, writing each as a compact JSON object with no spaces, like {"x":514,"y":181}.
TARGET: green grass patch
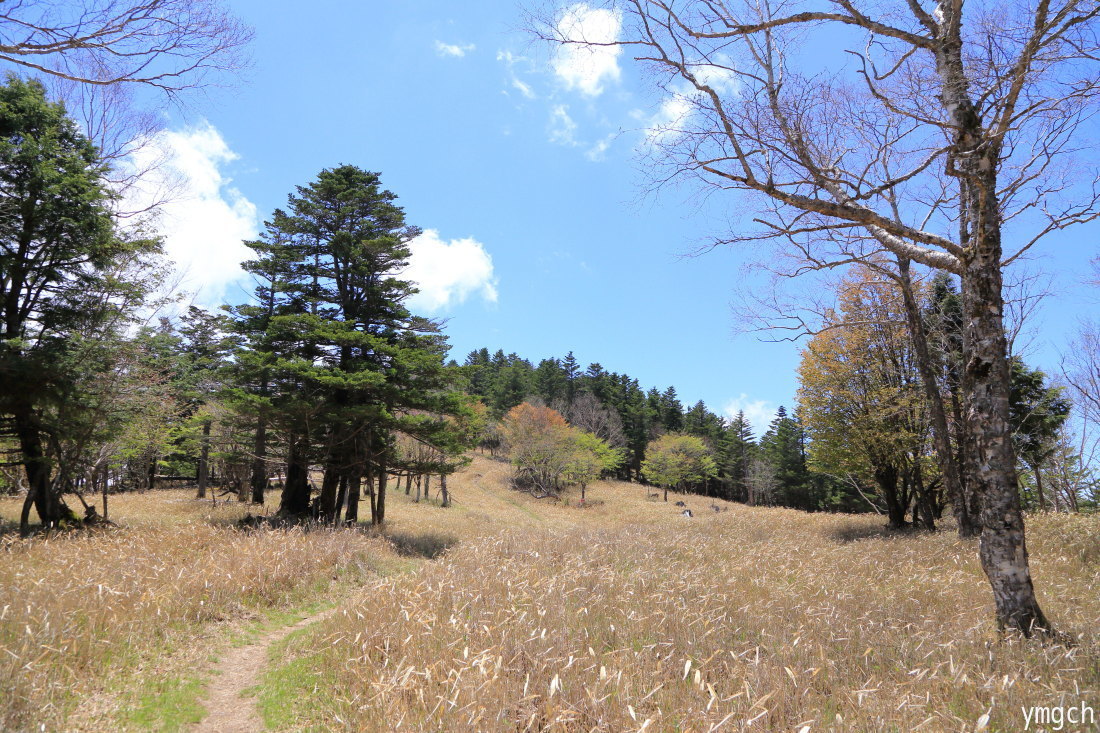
{"x":286,"y":694}
{"x":167,"y":705}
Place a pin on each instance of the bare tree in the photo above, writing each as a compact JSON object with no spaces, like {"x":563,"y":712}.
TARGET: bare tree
{"x":589,"y":414}
{"x":761,"y":482}
{"x":99,"y":55}
{"x":939,"y":130}
{"x":171,"y":45}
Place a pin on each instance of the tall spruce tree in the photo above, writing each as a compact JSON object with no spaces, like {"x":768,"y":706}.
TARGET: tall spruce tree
{"x":349,"y":365}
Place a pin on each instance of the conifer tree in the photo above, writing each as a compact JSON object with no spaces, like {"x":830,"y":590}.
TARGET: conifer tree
{"x":65,"y":274}
{"x":350,"y":366}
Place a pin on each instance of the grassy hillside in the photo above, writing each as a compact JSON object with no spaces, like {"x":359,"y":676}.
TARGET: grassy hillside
{"x":521,"y":614}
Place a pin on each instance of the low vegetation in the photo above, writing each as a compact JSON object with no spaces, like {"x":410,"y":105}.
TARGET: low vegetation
{"x":528,"y":614}
{"x":101,"y":616}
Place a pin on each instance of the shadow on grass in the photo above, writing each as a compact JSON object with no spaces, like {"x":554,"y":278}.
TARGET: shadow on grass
{"x":8,"y":528}
{"x":428,"y":545}
{"x":857,"y":532}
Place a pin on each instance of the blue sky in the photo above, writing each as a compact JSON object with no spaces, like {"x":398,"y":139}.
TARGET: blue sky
{"x":526,"y":168}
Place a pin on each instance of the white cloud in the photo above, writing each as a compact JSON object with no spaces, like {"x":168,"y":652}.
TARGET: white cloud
{"x":597,"y":152}
{"x":450,"y":50}
{"x":523,"y":88}
{"x":670,"y":119}
{"x":582,"y":63}
{"x":448,"y":272}
{"x":759,"y":413}
{"x":511,"y":61}
{"x":205,"y":218}
{"x":674,"y":115}
{"x":563,"y":130}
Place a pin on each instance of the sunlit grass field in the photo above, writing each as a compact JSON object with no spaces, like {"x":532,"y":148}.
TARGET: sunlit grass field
{"x":505,"y":612}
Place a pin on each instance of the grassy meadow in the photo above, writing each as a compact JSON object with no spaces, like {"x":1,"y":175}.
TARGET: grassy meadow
{"x":505,"y":612}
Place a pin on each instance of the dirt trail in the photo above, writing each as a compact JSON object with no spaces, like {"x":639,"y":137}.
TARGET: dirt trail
{"x":240,"y":669}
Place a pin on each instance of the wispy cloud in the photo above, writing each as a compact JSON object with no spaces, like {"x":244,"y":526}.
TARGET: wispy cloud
{"x":523,"y":88}
{"x":598,"y":152}
{"x":563,"y":130}
{"x":511,"y":61}
{"x":451,"y":50}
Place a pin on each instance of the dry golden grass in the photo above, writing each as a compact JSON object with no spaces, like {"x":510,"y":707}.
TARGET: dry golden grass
{"x":77,"y":609}
{"x":536,"y":615}
{"x":629,"y":616}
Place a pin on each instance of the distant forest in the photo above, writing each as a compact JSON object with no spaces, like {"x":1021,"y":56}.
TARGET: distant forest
{"x":858,"y":440}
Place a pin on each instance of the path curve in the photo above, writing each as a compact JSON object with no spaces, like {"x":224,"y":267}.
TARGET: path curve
{"x":240,"y":669}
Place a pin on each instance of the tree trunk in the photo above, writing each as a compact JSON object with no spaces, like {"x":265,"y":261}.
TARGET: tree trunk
{"x":341,"y":497}
{"x":351,"y":514}
{"x":992,"y":463}
{"x":326,"y":501}
{"x":887,"y":479}
{"x":371,"y":493}
{"x":941,"y":435}
{"x":990,"y":473}
{"x":1039,"y":487}
{"x":259,"y":462}
{"x":40,"y":492}
{"x":204,"y":460}
{"x":105,"y":479}
{"x":443,"y":490}
{"x":380,"y":504}
{"x":151,"y":473}
{"x":296,"y":488}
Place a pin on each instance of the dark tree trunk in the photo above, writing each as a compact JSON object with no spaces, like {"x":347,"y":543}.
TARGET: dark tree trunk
{"x":351,"y":515}
{"x":204,"y":460}
{"x":326,"y":501}
{"x":259,"y":463}
{"x":296,"y":488}
{"x":380,"y":504}
{"x":105,"y":480}
{"x":341,"y":497}
{"x":372,"y":495}
{"x":887,"y":479}
{"x":941,"y":434}
{"x":151,"y":473}
{"x":40,"y":491}
{"x":443,"y":490}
